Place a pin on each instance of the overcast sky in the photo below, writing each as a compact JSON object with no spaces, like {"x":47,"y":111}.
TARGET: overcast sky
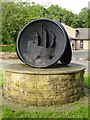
{"x":72,"y":5}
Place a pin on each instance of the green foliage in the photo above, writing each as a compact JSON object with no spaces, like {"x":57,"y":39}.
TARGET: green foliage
{"x":81,"y":112}
{"x":84,"y":15}
{"x":15,"y":15}
{"x":87,"y":80}
{"x":88,"y":18}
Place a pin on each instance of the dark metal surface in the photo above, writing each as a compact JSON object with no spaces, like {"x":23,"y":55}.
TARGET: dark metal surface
{"x":42,"y":43}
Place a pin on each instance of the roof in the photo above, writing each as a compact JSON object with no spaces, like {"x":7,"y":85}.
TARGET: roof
{"x":77,"y":33}
{"x":70,"y":31}
{"x":83,"y":33}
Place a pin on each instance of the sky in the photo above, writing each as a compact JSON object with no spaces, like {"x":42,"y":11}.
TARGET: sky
{"x":72,"y":5}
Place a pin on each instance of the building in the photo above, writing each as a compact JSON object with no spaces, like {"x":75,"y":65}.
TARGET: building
{"x":70,"y":31}
{"x":79,"y":37}
{"x":82,"y":38}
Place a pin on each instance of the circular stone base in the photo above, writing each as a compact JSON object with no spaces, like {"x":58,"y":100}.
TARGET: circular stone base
{"x":56,"y":85}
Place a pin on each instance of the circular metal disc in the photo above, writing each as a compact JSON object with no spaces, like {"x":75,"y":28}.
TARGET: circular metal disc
{"x":41,"y":43}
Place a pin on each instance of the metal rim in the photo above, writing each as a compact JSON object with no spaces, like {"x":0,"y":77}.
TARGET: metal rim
{"x":18,"y":40}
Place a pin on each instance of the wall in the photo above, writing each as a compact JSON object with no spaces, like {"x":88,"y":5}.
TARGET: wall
{"x":86,"y":44}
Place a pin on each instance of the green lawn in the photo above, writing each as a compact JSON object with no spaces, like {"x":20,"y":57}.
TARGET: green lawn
{"x":8,"y":48}
{"x":81,"y":112}
{"x":87,"y":80}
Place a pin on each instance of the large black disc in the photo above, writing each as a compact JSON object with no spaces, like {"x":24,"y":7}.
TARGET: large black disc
{"x":41,"y":43}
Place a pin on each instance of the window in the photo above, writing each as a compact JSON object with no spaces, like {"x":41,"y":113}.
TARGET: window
{"x":81,"y":44}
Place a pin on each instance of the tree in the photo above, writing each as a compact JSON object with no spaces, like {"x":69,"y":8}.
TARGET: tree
{"x":76,"y":22}
{"x":15,"y":15}
{"x":84,"y":17}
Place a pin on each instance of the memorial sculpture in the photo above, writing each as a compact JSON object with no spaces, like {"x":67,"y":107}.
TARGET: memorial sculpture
{"x":42,"y":43}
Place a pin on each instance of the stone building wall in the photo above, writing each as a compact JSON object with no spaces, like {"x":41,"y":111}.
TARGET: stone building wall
{"x":86,"y":44}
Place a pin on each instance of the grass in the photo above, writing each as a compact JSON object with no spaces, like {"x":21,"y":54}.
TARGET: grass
{"x":87,"y":80}
{"x":81,"y":112}
{"x":8,"y":48}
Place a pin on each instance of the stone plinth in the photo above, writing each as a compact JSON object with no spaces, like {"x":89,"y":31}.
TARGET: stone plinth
{"x":56,"y":85}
